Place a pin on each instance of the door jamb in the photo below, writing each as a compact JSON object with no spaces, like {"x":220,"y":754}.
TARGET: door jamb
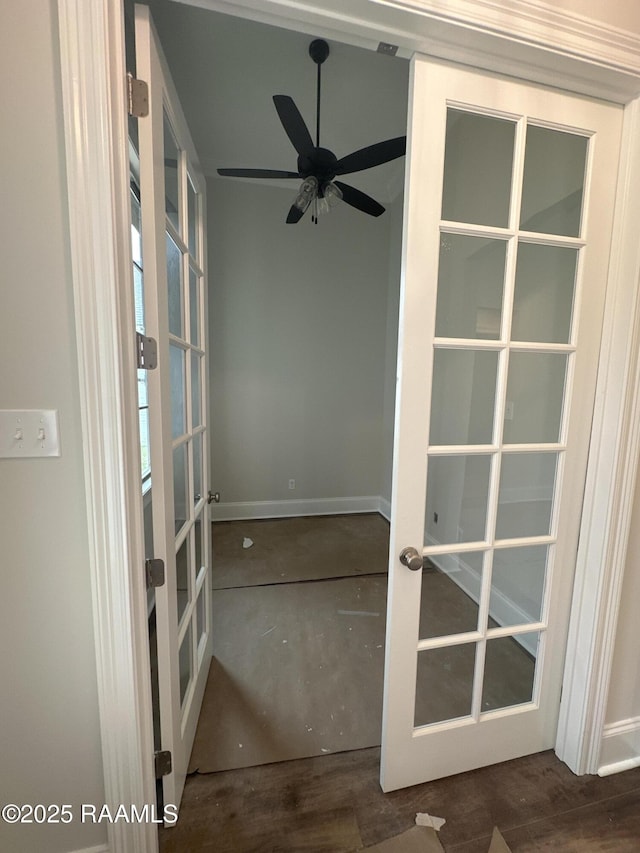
{"x":93,"y":75}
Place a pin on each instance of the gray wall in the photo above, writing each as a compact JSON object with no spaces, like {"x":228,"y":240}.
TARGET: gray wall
{"x":298,"y":326}
{"x":49,"y":734}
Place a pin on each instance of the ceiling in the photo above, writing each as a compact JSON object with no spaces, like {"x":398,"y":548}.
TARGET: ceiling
{"x":227,"y":69}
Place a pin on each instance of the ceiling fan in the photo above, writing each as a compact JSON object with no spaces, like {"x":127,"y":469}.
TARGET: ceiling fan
{"x":318,"y":167}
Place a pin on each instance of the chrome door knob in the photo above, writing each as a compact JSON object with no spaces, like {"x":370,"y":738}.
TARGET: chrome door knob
{"x":410,"y":558}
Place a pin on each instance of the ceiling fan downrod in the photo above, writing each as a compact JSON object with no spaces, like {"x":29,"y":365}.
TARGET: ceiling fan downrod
{"x":318,"y":51}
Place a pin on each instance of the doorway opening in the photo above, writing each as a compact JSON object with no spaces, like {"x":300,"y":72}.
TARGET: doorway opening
{"x":303,"y":338}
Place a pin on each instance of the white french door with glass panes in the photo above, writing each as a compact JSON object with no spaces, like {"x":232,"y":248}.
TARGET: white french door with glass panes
{"x":508,"y":215}
{"x":172,"y":191}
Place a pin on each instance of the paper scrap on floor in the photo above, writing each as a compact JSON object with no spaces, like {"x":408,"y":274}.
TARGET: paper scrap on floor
{"x":418,"y":839}
{"x":424,"y":839}
{"x":424,"y":819}
{"x":498,"y":844}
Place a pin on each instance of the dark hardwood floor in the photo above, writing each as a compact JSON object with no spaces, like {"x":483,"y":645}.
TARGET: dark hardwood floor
{"x":333,"y":804}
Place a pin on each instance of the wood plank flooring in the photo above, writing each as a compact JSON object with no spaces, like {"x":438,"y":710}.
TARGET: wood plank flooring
{"x":333,"y":804}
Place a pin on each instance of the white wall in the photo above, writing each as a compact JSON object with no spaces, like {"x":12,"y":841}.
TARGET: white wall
{"x":298,"y":328}
{"x":49,"y":733}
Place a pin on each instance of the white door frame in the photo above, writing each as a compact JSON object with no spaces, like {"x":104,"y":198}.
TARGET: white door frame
{"x":539,"y":43}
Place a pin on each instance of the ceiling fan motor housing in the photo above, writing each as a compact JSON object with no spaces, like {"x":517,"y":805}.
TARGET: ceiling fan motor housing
{"x":319,"y":162}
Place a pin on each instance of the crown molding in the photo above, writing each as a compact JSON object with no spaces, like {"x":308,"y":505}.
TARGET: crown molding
{"x":536,"y":23}
{"x":529,"y":39}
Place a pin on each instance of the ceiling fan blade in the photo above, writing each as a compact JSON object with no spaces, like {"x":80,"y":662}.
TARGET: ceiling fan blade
{"x":257,"y":173}
{"x":295,"y":214}
{"x":293,"y":124}
{"x":360,"y":200}
{"x":372,"y":155}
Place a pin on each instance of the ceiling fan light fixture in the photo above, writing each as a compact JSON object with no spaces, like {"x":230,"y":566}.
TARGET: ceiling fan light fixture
{"x":332,"y":194}
{"x":307,"y":192}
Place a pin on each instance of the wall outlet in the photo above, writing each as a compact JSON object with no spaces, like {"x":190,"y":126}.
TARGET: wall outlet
{"x":508,"y":411}
{"x":292,"y":484}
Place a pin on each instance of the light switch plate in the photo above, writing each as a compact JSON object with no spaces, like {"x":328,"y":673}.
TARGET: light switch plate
{"x":29,"y":433}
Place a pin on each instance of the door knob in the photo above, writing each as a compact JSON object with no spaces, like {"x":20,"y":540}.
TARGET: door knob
{"x":410,"y":558}
{"x":213,"y":497}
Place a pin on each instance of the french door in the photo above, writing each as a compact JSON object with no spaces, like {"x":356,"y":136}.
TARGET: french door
{"x":508,"y":212}
{"x":172,"y":193}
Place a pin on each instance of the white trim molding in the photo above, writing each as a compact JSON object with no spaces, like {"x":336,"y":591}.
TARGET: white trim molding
{"x":620,"y":747}
{"x":101,"y":848}
{"x":96,"y":142}
{"x":611,"y":481}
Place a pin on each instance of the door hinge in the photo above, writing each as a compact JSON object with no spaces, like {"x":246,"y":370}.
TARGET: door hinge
{"x":154,"y":573}
{"x":163,"y":763}
{"x":147,"y":352}
{"x":137,"y":97}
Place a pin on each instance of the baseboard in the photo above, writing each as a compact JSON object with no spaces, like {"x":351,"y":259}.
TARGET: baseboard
{"x":100,"y":848}
{"x":620,"y":749}
{"x":384,"y":508}
{"x":291,"y":509}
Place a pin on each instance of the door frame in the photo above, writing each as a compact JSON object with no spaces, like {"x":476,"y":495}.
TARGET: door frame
{"x":536,"y":43}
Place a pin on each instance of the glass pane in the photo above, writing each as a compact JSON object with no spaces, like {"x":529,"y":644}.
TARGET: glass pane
{"x":200,"y":613}
{"x":526,"y":494}
{"x":197,"y":467}
{"x":463,"y":396}
{"x":138,"y":294}
{"x":543,"y":300}
{"x":185,"y":664}
{"x":194,"y":309}
{"x":450,"y":594}
{"x":191,"y":213}
{"x":457,"y":489}
{"x":136,"y":230}
{"x":147,"y":518}
{"x":477,"y":168}
{"x":509,"y":671}
{"x":444,"y":683}
{"x":553,"y":183}
{"x":199,"y":549}
{"x":145,"y":443}
{"x":174,"y":285}
{"x":517,"y":585}
{"x":470,"y":283}
{"x":180,"y":486}
{"x":535,"y":394}
{"x":178,"y":391}
{"x":196,"y":391}
{"x":171,"y":158}
{"x":182,"y":577}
